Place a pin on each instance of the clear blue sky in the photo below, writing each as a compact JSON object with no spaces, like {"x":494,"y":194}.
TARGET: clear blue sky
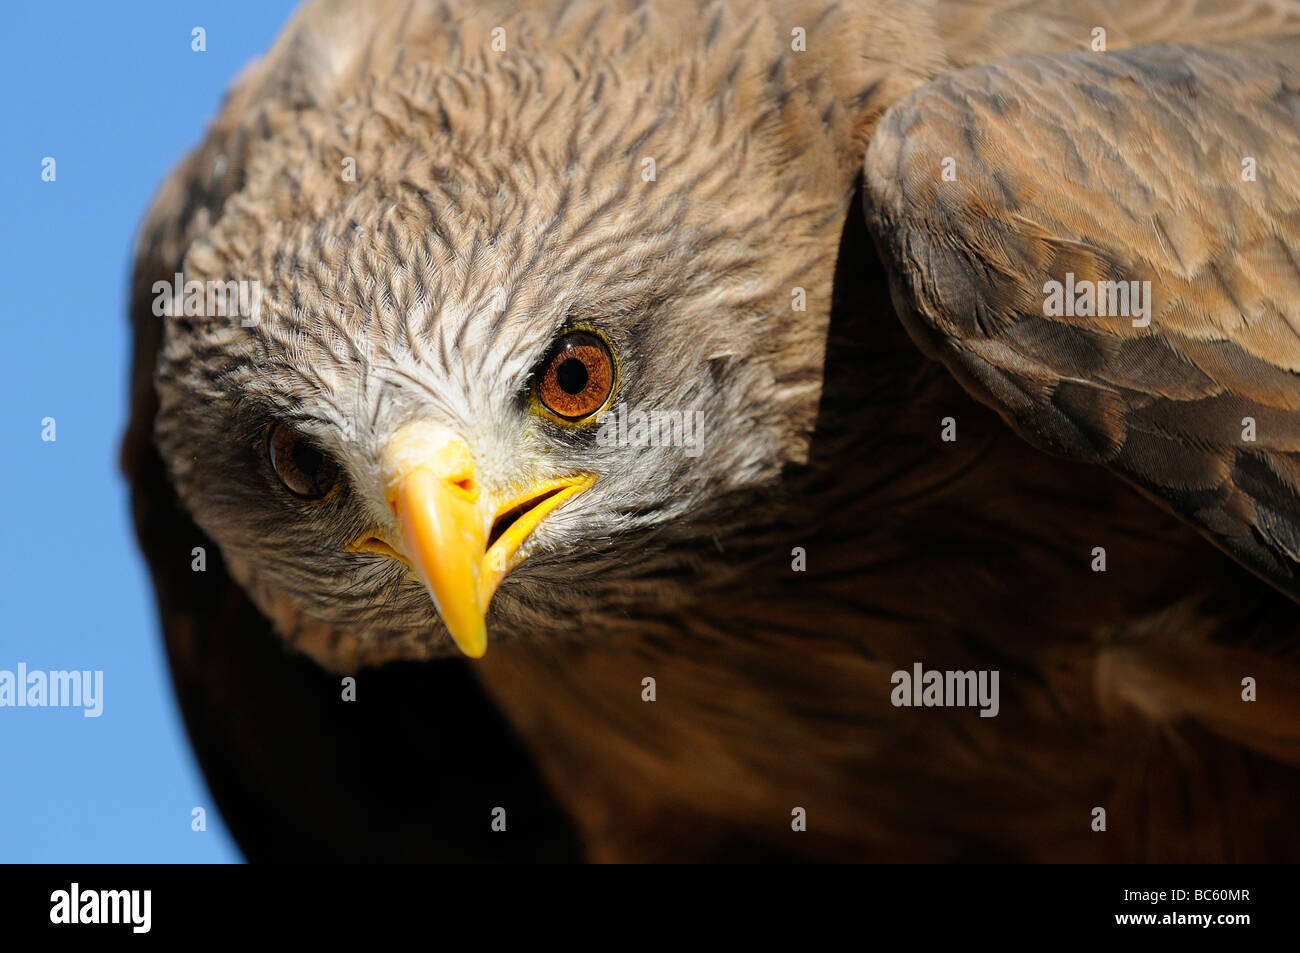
{"x":114,"y":93}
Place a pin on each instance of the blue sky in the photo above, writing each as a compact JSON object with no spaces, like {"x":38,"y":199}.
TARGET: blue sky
{"x":113,"y":92}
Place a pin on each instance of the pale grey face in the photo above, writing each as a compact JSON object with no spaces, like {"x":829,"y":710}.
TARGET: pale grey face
{"x":408,"y":328}
{"x":278,"y":441}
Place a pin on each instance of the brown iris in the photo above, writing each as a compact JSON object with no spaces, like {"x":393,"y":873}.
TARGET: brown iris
{"x":578,"y":376}
{"x":304,"y":470}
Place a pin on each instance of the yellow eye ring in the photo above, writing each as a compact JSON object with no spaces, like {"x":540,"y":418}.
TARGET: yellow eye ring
{"x":577,"y":378}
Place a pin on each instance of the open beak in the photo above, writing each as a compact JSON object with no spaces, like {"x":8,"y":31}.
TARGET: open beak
{"x":458,"y":538}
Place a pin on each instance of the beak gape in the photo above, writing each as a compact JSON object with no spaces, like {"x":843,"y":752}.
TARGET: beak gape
{"x":458,"y":538}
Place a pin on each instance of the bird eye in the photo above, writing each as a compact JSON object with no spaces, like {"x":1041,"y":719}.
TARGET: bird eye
{"x":306,"y":472}
{"x":578,"y":376}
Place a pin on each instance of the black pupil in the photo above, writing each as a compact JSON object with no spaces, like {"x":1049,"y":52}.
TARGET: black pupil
{"x":306,"y":458}
{"x":571,"y":375}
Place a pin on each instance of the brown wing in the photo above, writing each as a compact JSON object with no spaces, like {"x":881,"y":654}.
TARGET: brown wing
{"x":1169,"y":165}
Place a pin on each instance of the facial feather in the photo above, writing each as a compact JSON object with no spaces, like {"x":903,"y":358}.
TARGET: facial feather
{"x":496,"y":204}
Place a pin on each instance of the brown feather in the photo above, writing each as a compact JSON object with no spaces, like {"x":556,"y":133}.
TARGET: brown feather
{"x":1120,"y":689}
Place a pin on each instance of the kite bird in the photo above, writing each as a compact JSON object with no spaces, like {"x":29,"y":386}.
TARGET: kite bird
{"x":637,"y":394}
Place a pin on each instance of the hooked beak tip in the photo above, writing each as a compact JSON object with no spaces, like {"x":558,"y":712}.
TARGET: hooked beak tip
{"x":459,"y":541}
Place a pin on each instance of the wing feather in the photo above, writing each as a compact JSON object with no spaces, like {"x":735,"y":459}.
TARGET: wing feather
{"x":1173,"y":165}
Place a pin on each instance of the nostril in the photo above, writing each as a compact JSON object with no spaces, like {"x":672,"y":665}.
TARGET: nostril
{"x":466,"y":484}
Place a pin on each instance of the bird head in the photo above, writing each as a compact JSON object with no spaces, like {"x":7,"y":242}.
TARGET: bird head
{"x":524,"y":372}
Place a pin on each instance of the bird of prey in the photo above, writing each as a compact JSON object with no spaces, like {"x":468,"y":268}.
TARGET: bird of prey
{"x":639,"y":392}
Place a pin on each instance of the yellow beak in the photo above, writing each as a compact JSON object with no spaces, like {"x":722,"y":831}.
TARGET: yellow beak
{"x":458,"y":538}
